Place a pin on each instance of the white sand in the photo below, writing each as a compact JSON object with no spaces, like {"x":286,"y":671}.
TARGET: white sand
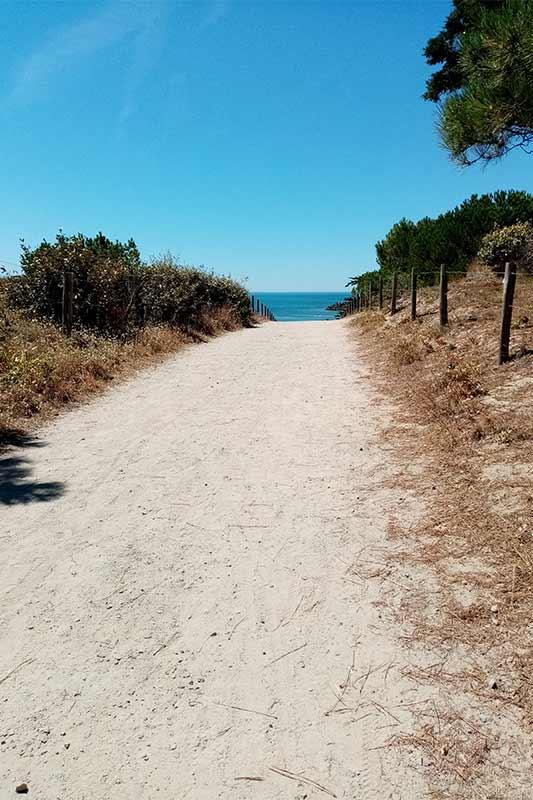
{"x":209,"y":512}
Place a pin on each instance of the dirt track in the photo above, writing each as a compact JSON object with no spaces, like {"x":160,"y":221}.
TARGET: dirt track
{"x":184,"y":575}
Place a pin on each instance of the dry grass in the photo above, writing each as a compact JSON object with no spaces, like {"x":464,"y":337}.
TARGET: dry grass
{"x":471,"y":423}
{"x":218,"y":320}
{"x":41,"y":370}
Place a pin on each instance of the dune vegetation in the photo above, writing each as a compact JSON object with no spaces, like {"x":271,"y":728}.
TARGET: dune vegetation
{"x":463,"y":446}
{"x":126,"y":313}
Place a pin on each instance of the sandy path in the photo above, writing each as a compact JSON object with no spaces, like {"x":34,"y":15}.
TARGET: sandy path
{"x":164,"y":549}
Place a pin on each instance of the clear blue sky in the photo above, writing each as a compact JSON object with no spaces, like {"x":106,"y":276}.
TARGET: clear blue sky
{"x":271,"y":140}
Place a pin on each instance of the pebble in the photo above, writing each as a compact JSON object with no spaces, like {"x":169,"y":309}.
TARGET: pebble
{"x":22,"y":788}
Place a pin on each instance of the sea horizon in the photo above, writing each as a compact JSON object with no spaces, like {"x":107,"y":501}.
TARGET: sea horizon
{"x":292,"y":306}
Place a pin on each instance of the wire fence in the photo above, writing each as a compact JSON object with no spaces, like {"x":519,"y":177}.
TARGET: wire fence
{"x":505,"y":299}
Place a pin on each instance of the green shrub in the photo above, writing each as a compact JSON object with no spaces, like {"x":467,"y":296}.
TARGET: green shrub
{"x":178,"y":295}
{"x":114,"y":292}
{"x":106,"y":280}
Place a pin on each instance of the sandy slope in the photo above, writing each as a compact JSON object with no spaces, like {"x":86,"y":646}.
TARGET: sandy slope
{"x":177,"y":598}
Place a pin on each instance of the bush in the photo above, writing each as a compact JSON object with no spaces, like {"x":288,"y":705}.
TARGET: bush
{"x":114,"y":292}
{"x":106,"y":280}
{"x":177,"y":295}
{"x":513,"y":243}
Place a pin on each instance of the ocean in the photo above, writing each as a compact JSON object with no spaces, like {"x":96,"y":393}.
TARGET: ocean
{"x":300,"y":306}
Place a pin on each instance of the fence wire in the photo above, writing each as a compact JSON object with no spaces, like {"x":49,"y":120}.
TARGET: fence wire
{"x":522,"y":322}
{"x":472,"y":297}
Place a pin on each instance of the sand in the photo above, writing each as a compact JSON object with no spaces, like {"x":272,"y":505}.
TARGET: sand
{"x":186,"y":608}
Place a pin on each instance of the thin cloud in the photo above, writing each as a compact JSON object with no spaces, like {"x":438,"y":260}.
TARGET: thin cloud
{"x":147,"y":44}
{"x":217,"y":10}
{"x":66,"y":47}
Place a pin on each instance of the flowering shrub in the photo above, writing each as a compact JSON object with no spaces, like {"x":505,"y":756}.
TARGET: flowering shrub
{"x":513,"y":243}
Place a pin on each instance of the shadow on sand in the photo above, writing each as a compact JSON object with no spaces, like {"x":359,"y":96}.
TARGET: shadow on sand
{"x":16,"y":485}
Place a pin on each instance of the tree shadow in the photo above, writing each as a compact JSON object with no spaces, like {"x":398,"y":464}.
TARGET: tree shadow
{"x":16,"y":485}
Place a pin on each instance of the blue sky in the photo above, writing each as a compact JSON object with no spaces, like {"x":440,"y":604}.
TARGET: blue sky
{"x":276,"y":141}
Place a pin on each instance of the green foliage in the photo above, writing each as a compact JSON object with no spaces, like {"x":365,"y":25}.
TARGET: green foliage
{"x":107,"y":277}
{"x":114,"y":291}
{"x":444,"y":49}
{"x":452,"y":238}
{"x":360,"y":283}
{"x":486,"y":50}
{"x":174,"y":294}
{"x":513,"y":243}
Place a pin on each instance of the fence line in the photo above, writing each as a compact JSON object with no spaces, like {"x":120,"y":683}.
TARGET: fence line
{"x":402,"y":284}
{"x":259,"y":308}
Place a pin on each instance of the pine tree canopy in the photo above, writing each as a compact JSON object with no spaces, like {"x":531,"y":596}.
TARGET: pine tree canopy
{"x":485,"y":83}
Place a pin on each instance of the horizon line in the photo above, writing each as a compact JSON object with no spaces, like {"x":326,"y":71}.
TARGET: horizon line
{"x":297,"y":291}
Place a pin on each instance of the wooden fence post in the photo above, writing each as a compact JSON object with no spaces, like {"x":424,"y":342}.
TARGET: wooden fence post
{"x":443,"y":296}
{"x":394,"y":292}
{"x":380,"y":292}
{"x":413,"y":294}
{"x":252,"y":303}
{"x":68,"y":297}
{"x":370,"y":294}
{"x":509,"y":282}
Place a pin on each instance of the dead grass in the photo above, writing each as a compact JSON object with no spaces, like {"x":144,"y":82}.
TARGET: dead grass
{"x":218,"y":320}
{"x":41,"y":370}
{"x":471,"y":423}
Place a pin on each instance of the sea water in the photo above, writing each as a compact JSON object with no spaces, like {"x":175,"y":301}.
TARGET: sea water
{"x":300,"y":306}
